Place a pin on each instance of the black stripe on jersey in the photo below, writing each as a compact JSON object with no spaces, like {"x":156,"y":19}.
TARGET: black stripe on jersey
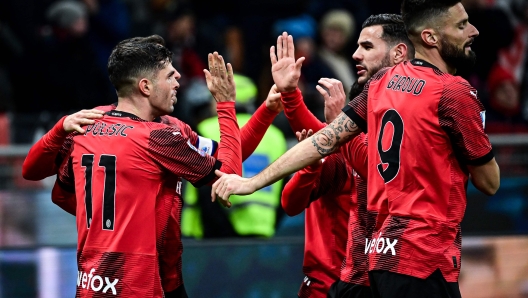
{"x":420,"y":62}
{"x":122,"y":114}
{"x":481,"y":160}
{"x":361,"y":123}
{"x":210,"y":177}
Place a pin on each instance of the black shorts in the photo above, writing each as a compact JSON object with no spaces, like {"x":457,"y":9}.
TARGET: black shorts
{"x":394,"y":285}
{"x":178,"y":293}
{"x":341,"y":289}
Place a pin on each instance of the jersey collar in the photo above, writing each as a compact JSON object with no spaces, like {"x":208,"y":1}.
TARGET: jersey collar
{"x":116,"y":113}
{"x":420,"y":62}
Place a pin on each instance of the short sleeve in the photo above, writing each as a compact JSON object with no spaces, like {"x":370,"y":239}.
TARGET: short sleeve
{"x":462,"y":116}
{"x":176,"y":153}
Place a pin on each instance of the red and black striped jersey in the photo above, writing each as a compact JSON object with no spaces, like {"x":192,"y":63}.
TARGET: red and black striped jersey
{"x":424,"y":127}
{"x":361,"y":220}
{"x":125,"y":173}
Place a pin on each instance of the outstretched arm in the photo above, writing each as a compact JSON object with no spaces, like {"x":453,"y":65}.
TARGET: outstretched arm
{"x":323,"y":143}
{"x":253,"y":131}
{"x":222,"y":86}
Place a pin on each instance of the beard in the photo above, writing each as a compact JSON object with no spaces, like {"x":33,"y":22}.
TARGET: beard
{"x":385,"y":62}
{"x":456,"y":57}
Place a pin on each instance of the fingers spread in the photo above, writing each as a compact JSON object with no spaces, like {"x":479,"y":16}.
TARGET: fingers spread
{"x":284,"y":44}
{"x":221,"y":67}
{"x":299,"y":62}
{"x":230,"y":73}
{"x":291,"y":47}
{"x":210,"y":61}
{"x":279,"y":47}
{"x":273,"y":57}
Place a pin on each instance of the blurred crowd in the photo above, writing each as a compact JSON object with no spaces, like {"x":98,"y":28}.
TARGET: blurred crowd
{"x":53,"y":53}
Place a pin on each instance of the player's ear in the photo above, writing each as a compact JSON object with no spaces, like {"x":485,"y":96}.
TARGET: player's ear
{"x":430,"y":37}
{"x":145,"y":86}
{"x":399,"y":53}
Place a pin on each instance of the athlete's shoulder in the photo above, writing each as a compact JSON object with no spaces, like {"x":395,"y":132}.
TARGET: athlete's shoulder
{"x":458,"y":87}
{"x":106,"y":108}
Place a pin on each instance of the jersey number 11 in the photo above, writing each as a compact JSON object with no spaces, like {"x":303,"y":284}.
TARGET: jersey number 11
{"x":109,"y":163}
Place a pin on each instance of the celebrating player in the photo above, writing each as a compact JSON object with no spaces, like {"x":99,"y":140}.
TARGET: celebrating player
{"x":129,"y":192}
{"x":426,"y":137}
{"x":383,"y":42}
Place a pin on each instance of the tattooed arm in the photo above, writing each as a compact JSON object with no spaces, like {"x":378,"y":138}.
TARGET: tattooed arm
{"x":323,"y":143}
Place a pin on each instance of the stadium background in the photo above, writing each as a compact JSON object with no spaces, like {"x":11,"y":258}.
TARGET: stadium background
{"x":52,"y":62}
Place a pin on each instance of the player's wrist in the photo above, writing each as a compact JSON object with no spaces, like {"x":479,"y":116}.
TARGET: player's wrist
{"x":59,"y":129}
{"x":291,"y":94}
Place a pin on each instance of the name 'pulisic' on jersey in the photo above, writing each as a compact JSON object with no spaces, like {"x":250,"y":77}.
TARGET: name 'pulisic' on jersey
{"x":100,"y":129}
{"x":406,"y":84}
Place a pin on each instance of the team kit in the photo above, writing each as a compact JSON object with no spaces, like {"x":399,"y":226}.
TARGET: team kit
{"x":382,"y":182}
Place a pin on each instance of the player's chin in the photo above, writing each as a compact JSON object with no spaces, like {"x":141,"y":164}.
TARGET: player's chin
{"x":362,"y":79}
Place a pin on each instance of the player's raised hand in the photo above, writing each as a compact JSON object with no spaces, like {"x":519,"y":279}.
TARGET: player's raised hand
{"x":284,"y":69}
{"x":230,"y":184}
{"x":84,"y":117}
{"x":334,"y":98}
{"x":220,"y":78}
{"x":273,"y":101}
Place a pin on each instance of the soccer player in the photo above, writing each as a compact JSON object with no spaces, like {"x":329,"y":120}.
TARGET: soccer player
{"x":125,"y":167}
{"x":46,"y":155}
{"x":426,"y":140}
{"x":383,"y":42}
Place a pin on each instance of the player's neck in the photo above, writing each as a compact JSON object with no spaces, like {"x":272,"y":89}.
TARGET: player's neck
{"x":137,"y":107}
{"x":433,"y":56}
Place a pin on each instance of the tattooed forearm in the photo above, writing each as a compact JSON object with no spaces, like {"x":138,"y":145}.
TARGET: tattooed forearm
{"x":340,"y":131}
{"x":323,"y":141}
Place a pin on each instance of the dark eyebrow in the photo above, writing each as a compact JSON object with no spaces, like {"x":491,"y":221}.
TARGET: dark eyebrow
{"x":462,"y":22}
{"x":365,"y":43}
{"x":171,"y":73}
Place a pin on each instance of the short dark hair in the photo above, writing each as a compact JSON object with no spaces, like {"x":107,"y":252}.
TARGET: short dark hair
{"x":393,"y":30}
{"x":136,"y":57}
{"x":417,"y":13}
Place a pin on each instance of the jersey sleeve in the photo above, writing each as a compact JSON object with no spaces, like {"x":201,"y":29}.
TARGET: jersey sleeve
{"x":334,"y":175}
{"x":64,"y":199}
{"x":298,"y":114}
{"x":254,"y":130}
{"x":300,"y":190}
{"x":43,"y":158}
{"x":208,"y":146}
{"x":357,"y":107}
{"x":65,"y":176}
{"x":176,"y":154}
{"x":313,"y":182}
{"x":462,"y":116}
{"x":356,"y":154}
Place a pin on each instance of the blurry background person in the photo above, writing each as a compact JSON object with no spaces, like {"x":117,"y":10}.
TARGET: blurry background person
{"x":253,"y":215}
{"x":505,"y":114}
{"x":337,"y":27}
